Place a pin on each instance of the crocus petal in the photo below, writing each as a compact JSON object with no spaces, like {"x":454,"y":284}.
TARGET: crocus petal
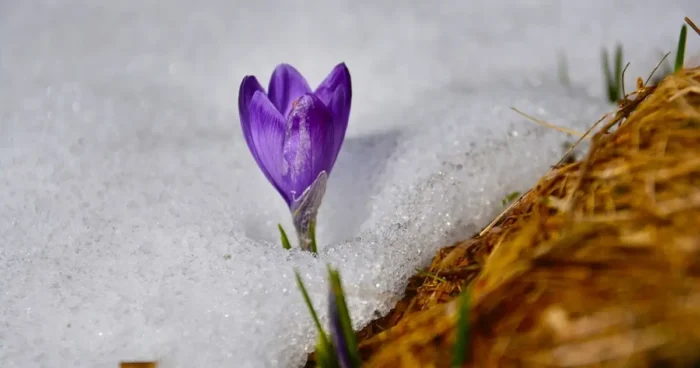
{"x":340,"y":110}
{"x":339,"y":76}
{"x":286,"y":85}
{"x":336,"y":93}
{"x":308,"y":144}
{"x":249,"y":86}
{"x":265,"y":136}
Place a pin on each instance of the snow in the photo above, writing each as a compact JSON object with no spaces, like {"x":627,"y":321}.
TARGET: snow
{"x":135,"y":224}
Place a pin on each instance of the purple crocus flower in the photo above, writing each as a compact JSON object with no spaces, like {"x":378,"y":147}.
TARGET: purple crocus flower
{"x":295,"y":134}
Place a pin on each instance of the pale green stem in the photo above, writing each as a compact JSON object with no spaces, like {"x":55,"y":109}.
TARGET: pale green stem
{"x":305,"y":211}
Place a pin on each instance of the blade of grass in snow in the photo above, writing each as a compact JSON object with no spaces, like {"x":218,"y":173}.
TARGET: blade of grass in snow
{"x":323,"y":338}
{"x":283,"y":238}
{"x":325,"y":355}
{"x":345,"y":322}
{"x":680,"y":54}
{"x":462,"y":342}
{"x":613,"y":81}
{"x":563,"y":71}
{"x":619,"y":71}
{"x":608,"y":76}
{"x":510,"y":197}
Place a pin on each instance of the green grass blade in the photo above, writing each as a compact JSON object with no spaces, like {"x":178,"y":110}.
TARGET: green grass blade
{"x":680,"y":54}
{"x":563,"y":71}
{"x":607,"y":74}
{"x":510,"y":197}
{"x":284,"y":238}
{"x":613,"y":80}
{"x":618,"y":72}
{"x":462,"y":342}
{"x":322,"y":335}
{"x":345,"y":321}
{"x":325,"y":356}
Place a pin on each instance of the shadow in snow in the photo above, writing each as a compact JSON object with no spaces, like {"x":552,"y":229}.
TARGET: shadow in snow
{"x":352,"y":184}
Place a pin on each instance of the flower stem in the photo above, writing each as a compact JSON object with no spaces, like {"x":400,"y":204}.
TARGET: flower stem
{"x":305,"y":210}
{"x":306,"y":232}
{"x":312,"y":235}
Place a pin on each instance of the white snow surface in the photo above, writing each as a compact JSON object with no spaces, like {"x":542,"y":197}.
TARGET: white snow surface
{"x":135,"y":224}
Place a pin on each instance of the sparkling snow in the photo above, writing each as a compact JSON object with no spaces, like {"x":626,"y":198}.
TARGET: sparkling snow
{"x":135,"y":224}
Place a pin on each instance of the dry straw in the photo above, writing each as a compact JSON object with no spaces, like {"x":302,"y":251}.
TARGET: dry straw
{"x":597,"y":266}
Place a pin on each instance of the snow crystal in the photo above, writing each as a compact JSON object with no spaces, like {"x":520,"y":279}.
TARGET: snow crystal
{"x":135,"y":224}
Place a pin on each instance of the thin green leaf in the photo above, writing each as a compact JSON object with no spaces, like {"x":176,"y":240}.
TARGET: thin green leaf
{"x":607,"y":74}
{"x":461,"y":346}
{"x":563,"y":71}
{"x":325,"y":355}
{"x":613,"y":80}
{"x":284,"y":238}
{"x":618,"y":72}
{"x":322,"y":334}
{"x":680,"y":54}
{"x":510,"y":197}
{"x":345,"y":320}
{"x":609,"y":78}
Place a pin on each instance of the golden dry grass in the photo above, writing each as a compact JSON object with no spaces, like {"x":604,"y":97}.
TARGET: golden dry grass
{"x":138,"y":365}
{"x":597,"y":266}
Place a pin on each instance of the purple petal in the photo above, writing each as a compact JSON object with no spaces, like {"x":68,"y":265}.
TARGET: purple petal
{"x":336,"y":93}
{"x":308,"y":145}
{"x":286,"y":85}
{"x":249,"y":86}
{"x":264,"y":134}
{"x":340,"y":109}
{"x":339,"y":76}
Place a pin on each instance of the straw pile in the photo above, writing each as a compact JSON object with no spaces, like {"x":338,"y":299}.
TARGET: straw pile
{"x":597,"y":266}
